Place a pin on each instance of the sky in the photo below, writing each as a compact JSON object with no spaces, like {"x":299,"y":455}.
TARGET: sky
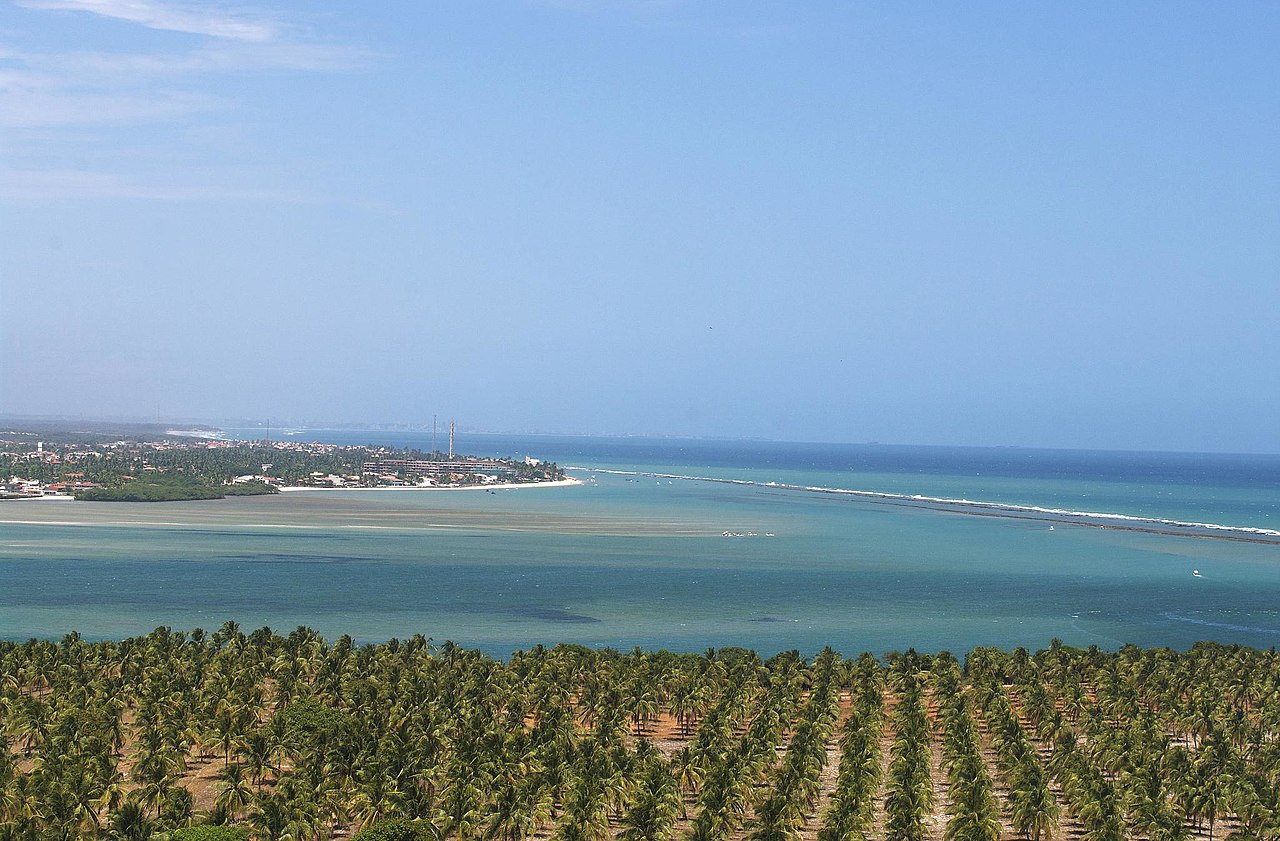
{"x":994,"y":223}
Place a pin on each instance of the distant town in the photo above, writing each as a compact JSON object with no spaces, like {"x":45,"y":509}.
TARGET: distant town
{"x":160,"y":467}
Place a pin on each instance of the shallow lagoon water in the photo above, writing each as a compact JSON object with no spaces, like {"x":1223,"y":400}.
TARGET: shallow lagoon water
{"x":632,"y":560}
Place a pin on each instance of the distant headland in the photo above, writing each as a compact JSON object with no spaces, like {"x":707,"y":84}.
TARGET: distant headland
{"x":144,"y":463}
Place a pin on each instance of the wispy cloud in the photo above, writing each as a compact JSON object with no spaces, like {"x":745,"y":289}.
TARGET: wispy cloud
{"x":62,"y":184}
{"x":29,"y":101}
{"x":203,"y":19}
{"x":104,"y":110}
{"x":109,"y":68}
{"x":43,"y":90}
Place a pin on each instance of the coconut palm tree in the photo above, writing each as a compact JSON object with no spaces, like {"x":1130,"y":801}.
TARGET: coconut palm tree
{"x":129,"y":823}
{"x":1033,"y":809}
{"x":235,"y":793}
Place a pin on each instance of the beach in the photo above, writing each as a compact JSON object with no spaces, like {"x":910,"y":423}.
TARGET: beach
{"x":566,"y":482}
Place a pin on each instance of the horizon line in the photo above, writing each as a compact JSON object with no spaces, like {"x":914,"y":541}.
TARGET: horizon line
{"x":405,"y":426}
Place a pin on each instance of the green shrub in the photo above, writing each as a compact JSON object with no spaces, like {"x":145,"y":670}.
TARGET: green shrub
{"x":397,"y":829}
{"x":161,"y":488}
{"x":307,"y":724}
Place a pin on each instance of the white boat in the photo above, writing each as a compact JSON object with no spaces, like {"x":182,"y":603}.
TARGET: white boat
{"x":1196,"y":573}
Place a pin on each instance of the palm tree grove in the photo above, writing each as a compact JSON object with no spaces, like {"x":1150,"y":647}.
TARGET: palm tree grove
{"x":228,"y":736}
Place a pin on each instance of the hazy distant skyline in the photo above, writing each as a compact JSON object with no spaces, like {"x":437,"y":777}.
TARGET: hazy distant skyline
{"x":1002,"y":224}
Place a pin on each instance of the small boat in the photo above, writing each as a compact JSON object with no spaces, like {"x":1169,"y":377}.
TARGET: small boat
{"x":1050,"y":528}
{"x":1196,"y":573}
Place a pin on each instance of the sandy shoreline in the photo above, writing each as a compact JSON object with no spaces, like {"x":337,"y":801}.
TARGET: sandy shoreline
{"x":505,"y":486}
{"x":49,"y":497}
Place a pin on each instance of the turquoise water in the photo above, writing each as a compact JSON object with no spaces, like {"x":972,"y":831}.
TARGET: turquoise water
{"x":627,"y":560}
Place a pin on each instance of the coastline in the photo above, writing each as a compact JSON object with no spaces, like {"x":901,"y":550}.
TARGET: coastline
{"x":505,"y":486}
{"x":50,"y":497}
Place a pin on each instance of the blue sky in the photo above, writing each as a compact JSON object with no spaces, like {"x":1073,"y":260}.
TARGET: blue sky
{"x":996,"y":223}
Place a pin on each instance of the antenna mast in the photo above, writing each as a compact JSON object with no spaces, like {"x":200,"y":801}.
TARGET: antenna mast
{"x":450,"y":439}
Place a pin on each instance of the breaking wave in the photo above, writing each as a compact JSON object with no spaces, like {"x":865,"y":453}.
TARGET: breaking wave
{"x":1229,"y":626}
{"x":1098,"y":519}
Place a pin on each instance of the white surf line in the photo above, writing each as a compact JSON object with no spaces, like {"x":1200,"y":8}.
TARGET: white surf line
{"x":1001,"y":507}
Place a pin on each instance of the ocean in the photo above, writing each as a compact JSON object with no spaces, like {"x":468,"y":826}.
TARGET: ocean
{"x":958,"y":547}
